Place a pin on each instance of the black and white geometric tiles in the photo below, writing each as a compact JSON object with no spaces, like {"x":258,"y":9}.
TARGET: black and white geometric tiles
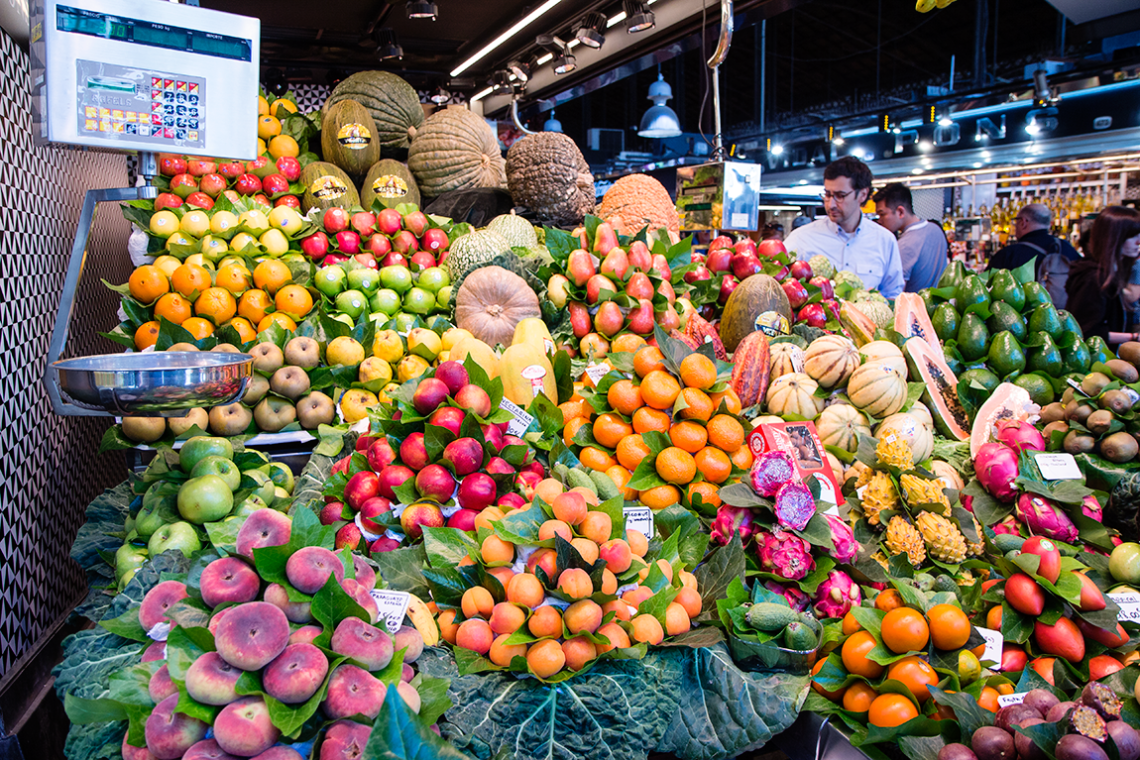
{"x":49,"y":470}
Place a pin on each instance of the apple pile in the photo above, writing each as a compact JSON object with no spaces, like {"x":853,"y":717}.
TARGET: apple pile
{"x":402,"y":236}
{"x":197,"y":182}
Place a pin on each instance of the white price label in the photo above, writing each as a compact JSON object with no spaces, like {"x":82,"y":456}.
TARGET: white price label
{"x":392,"y":606}
{"x":596,"y":372}
{"x":740,"y":220}
{"x":639,"y":519}
{"x":994,"y":642}
{"x":1005,"y":700}
{"x":521,"y":421}
{"x":1058,"y":466}
{"x":1129,"y":603}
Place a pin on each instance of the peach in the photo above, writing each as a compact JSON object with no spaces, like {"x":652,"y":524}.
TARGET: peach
{"x":634,"y":597}
{"x":364,"y":644}
{"x":552,"y":528}
{"x":476,"y":635}
{"x":160,"y":686}
{"x":676,"y":619}
{"x":583,"y":616}
{"x":609,"y":582}
{"x":353,"y":690}
{"x":409,"y":694}
{"x":488,"y":516}
{"x":361,"y":597}
{"x":688,"y":580}
{"x":170,"y":734}
{"x":496,"y":551}
{"x":296,"y":674}
{"x":575,"y":583}
{"x":503,"y":574}
{"x":477,"y":602}
{"x":587,"y":495}
{"x":296,"y":612}
{"x":617,"y":636}
{"x":364,"y":572}
{"x":345,"y":740}
{"x":690,"y":600}
{"x":474,"y":399}
{"x":501,"y":654}
{"x":638,"y":543}
{"x":578,"y":651}
{"x":207,"y":749}
{"x":305,"y":634}
{"x":465,"y":455}
{"x":156,"y":651}
{"x":447,"y":626}
{"x":265,"y":527}
{"x":131,"y":752}
{"x":252,"y":635}
{"x":570,"y":507}
{"x":546,"y":621}
{"x":506,"y":618}
{"x":617,"y":606}
{"x":587,"y":549}
{"x":416,"y":517}
{"x":309,"y":568}
{"x":244,"y":728}
{"x":647,"y":629}
{"x":525,"y":589}
{"x":411,"y":641}
{"x":158,"y":602}
{"x":617,"y":555}
{"x":548,"y":490}
{"x":406,"y":672}
{"x":228,"y":580}
{"x":211,"y":680}
{"x":278,"y":752}
{"x":597,"y":527}
{"x":545,"y":658}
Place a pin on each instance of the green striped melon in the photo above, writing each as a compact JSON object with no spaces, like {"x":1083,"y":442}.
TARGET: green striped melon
{"x":473,"y":250}
{"x":393,"y":103}
{"x":456,"y":150}
{"x":391,"y":183}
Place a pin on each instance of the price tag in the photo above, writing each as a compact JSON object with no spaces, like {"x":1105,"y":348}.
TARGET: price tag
{"x":521,"y":421}
{"x":639,"y":519}
{"x":1129,"y":603}
{"x":392,"y":606}
{"x":994,"y":642}
{"x":1005,"y":700}
{"x":740,"y":220}
{"x":596,"y":372}
{"x":1058,"y":466}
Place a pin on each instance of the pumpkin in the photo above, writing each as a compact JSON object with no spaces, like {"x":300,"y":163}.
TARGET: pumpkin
{"x":455,"y":150}
{"x":877,"y":389}
{"x":392,"y":102}
{"x":348,"y":137}
{"x":885,"y":352}
{"x":754,"y":296}
{"x":840,"y":425}
{"x":830,"y":360}
{"x":547,"y":173}
{"x":794,"y":394}
{"x":637,"y":201}
{"x":491,"y":302}
{"x":391,"y":183}
{"x":911,"y":430}
{"x":786,"y":358}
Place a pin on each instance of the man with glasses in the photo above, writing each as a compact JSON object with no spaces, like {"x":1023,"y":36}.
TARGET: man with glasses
{"x":1031,"y":228}
{"x":847,"y":240}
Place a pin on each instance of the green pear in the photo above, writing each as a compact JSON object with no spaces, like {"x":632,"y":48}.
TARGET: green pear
{"x":201,"y":446}
{"x":220,"y":466}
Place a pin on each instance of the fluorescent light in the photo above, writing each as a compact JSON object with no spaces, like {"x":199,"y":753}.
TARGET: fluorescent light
{"x":518,"y":27}
{"x":777,"y":150}
{"x":482,"y":94}
{"x":547,"y":58}
{"x":615,"y":20}
{"x":925,"y":145}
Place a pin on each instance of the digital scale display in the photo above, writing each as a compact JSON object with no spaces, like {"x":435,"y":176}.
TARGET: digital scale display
{"x":122,"y":29}
{"x":159,"y":108}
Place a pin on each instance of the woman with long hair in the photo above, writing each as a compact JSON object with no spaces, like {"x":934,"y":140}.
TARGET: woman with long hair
{"x":1100,"y":296}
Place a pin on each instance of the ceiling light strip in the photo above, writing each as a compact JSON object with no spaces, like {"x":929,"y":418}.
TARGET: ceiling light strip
{"x":518,"y":27}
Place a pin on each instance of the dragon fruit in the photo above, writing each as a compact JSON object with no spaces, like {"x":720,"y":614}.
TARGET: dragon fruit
{"x":730,"y":520}
{"x":1044,"y":518}
{"x":785,"y":554}
{"x":1019,"y":435}
{"x":794,"y":506}
{"x":967,"y":502}
{"x":797,"y":599}
{"x":837,"y":595}
{"x":771,"y":470}
{"x":1090,"y":507}
{"x":843,"y":538}
{"x":1008,"y":526}
{"x":996,"y":465}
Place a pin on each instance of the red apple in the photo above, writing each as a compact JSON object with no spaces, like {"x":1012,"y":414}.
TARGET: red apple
{"x":379,"y":245}
{"x":389,"y":221}
{"x":728,"y":284}
{"x":801,"y":270}
{"x":335,"y":220}
{"x":261,"y":198}
{"x":416,"y":222}
{"x":316,"y":245}
{"x":348,"y":242}
{"x":421,"y":260}
{"x":367,"y":259}
{"x":288,"y":200}
{"x":289,"y":167}
{"x":200,"y":167}
{"x":183,"y":184}
{"x":212,"y":184}
{"x":364,"y":222}
{"x":275,"y":184}
{"x":719,"y":260}
{"x":170,"y":165}
{"x":796,"y":292}
{"x":477,"y":491}
{"x":247,"y":184}
{"x":333,"y":258}
{"x":770,"y":248}
{"x":200,"y":200}
{"x":813,"y":314}
{"x":745,"y":246}
{"x":745,"y":265}
{"x":231,"y":169}
{"x":393,"y":259}
{"x":700,"y":273}
{"x":434,"y":240}
{"x":166,"y":200}
{"x":719,"y":242}
{"x":405,"y":242}
{"x":824,"y":286}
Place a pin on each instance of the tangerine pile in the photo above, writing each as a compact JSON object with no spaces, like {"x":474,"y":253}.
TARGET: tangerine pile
{"x":551,"y":640}
{"x":706,"y":445}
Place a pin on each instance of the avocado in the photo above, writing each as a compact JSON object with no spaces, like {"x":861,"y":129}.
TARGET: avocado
{"x":1046,"y":358}
{"x":1005,"y":355}
{"x":1044,"y":319}
{"x":971,"y":291}
{"x":1076,"y":357}
{"x":945,"y":321}
{"x":1004,"y":287}
{"x":1098,"y":350}
{"x":1035,"y":295}
{"x":952,"y":275}
{"x":928,"y":300}
{"x":1039,"y":388}
{"x":972,"y":338}
{"x":1068,"y":322}
{"x":1005,"y":317}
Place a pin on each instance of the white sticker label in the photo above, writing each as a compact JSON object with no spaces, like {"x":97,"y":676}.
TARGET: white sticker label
{"x":521,"y":421}
{"x":739,"y":220}
{"x":1005,"y":700}
{"x":596,"y":372}
{"x":639,"y":519}
{"x":549,"y":345}
{"x":1058,"y":466}
{"x":392,"y":606}
{"x":369,"y":536}
{"x":1129,"y":603}
{"x":160,"y":631}
{"x":993,"y":645}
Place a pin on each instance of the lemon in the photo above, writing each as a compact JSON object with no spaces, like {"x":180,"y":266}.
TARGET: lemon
{"x":268,"y":126}
{"x":222,"y":222}
{"x":344,"y":350}
{"x":284,"y":145}
{"x":196,"y":223}
{"x":164,"y":223}
{"x":388,"y":345}
{"x":374,"y":368}
{"x":282,"y":107}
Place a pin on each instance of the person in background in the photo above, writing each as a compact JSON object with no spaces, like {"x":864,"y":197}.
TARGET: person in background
{"x":847,"y":240}
{"x":922,"y":245}
{"x":1031,"y":227}
{"x":772,"y":231}
{"x":801,"y":221}
{"x":1100,"y":295}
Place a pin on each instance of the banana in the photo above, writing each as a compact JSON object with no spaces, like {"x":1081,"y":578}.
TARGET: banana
{"x":607,"y":489}
{"x":423,"y":620}
{"x":578,"y":478}
{"x":924,"y":6}
{"x":943,"y":3}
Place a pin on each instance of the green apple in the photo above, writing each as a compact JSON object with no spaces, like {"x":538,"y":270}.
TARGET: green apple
{"x":344,"y":319}
{"x":443,"y":297}
{"x":220,"y":466}
{"x":281,"y":475}
{"x":331,"y":281}
{"x":405,"y":322}
{"x":201,"y":446}
{"x":265,"y":485}
{"x":163,"y":512}
{"x":129,"y":557}
{"x":419,"y":301}
{"x":397,"y":278}
{"x":1124,"y":563}
{"x":249,"y":505}
{"x":281,"y":499}
{"x":352,"y":302}
{"x":365,"y":280}
{"x":386,"y":301}
{"x":179,"y":536}
{"x":432,"y":279}
{"x":205,"y":499}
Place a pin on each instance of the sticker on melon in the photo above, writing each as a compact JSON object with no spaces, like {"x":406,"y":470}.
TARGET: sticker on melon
{"x":941,"y":394}
{"x":1008,"y":402}
{"x":912,"y":321}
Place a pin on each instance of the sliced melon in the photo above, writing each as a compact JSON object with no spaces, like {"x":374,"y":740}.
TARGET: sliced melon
{"x":912,"y":321}
{"x":928,"y":366}
{"x":1008,"y":402}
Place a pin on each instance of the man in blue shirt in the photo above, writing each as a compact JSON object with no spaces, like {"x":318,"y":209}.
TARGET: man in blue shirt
{"x":922,"y":245}
{"x":848,"y":240}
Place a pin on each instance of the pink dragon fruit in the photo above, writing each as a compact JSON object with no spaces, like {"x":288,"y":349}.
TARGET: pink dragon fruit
{"x":771,"y":470}
{"x":1044,"y":518}
{"x":730,"y":520}
{"x":967,"y":502}
{"x":1019,"y":435}
{"x":797,"y":599}
{"x":996,"y":465}
{"x":1090,"y":507}
{"x":837,"y":595}
{"x":1008,"y":526}
{"x":785,"y":554}
{"x":794,"y":506}
{"x":843,"y":538}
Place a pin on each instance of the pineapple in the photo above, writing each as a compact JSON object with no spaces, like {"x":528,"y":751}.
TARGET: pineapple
{"x":893,"y":452}
{"x":902,"y":537}
{"x":880,"y":494}
{"x":943,"y":539}
{"x":922,"y":491}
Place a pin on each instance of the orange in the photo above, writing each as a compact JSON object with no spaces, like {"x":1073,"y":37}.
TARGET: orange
{"x":174,"y":307}
{"x":282,"y":319}
{"x":596,"y":459}
{"x":646,"y":419}
{"x":571,"y":429}
{"x":730,"y":399}
{"x":254,"y":305}
{"x":676,"y":466}
{"x":647,"y":360}
{"x":146,"y":335}
{"x":699,"y":406}
{"x":198,"y":327}
{"x":890,"y":710}
{"x":742,"y":458}
{"x":660,"y":497}
{"x":858,"y":697}
{"x":218,"y":304}
{"x":832,"y":695}
{"x":988,"y":700}
{"x":574,"y":409}
{"x":294,"y":300}
{"x":698,"y":371}
{"x":660,"y":389}
{"x":234,"y":278}
{"x":624,"y":397}
{"x":949,"y":626}
{"x":888,"y":599}
{"x":725,"y":433}
{"x":1007,"y":688}
{"x":148,"y":284}
{"x":850,"y":624}
{"x":271,"y":275}
{"x":244,"y":329}
{"x":904,"y":630}
{"x":627,"y":343}
{"x":854,"y":653}
{"x":916,"y":674}
{"x":993,"y":618}
{"x":710,"y":495}
{"x":688,"y":436}
{"x":189,"y":279}
{"x":620,"y":476}
{"x":714,"y":464}
{"x":631,"y":450}
{"x":609,"y":429}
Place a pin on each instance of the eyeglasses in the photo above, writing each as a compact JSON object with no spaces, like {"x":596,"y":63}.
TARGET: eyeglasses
{"x":827,"y":195}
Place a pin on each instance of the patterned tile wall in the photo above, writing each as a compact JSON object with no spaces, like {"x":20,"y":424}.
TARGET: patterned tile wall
{"x":49,"y":470}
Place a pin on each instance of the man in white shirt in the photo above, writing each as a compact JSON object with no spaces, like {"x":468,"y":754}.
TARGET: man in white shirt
{"x":849,"y":241}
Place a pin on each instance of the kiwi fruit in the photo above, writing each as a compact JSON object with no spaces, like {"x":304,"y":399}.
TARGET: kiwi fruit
{"x":1079,"y":412}
{"x":1068,"y":395}
{"x":1130,"y":352}
{"x":1058,"y":426}
{"x":1119,"y":447}
{"x":1052,"y":412}
{"x":1124,"y":371}
{"x":1078,"y":443}
{"x":993,"y":743}
{"x":1099,"y":421}
{"x":1094,"y":383}
{"x":1118,"y":401}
